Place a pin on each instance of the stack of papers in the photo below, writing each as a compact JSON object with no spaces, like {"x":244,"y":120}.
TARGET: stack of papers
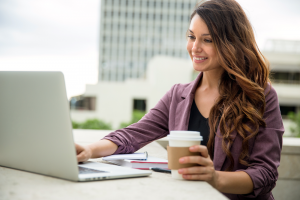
{"x":137,"y":161}
{"x":132,"y":156}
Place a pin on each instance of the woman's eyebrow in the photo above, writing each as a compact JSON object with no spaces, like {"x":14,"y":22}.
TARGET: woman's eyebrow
{"x":205,"y":34}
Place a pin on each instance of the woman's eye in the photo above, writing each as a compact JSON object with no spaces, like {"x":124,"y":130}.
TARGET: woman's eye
{"x":209,"y":41}
{"x":191,"y":37}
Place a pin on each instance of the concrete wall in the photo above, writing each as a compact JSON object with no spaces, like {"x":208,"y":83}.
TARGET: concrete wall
{"x":288,"y":184}
{"x":288,"y":94}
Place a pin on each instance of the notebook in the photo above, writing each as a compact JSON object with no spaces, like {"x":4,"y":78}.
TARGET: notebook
{"x":151,"y":162}
{"x":132,"y":156}
{"x":36,"y":130}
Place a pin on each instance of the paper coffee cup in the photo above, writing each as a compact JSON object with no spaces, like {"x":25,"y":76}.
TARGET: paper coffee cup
{"x":181,"y":139}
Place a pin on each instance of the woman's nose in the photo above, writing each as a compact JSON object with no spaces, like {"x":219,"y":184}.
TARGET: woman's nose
{"x":197,"y":47}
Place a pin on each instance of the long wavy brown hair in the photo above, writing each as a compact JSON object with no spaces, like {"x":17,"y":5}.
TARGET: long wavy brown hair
{"x":241,"y":104}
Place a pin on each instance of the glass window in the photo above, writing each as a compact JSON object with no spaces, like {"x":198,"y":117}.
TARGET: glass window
{"x":83,"y":103}
{"x":286,"y":109}
{"x":285,"y":77}
{"x":139,"y":104}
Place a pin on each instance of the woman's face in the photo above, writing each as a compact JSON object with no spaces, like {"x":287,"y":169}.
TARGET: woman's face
{"x":200,"y":46}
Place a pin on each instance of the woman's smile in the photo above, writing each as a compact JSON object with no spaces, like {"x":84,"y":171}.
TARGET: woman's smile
{"x":199,"y":59}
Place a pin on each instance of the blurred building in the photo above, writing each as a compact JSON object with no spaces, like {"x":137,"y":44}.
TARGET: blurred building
{"x":133,"y":31}
{"x":284,"y":58}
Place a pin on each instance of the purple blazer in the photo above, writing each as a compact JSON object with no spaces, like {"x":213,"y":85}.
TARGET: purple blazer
{"x":172,"y":112}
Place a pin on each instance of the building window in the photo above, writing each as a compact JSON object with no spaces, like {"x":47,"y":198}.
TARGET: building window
{"x":139,"y":104}
{"x":286,"y":109}
{"x":83,"y":103}
{"x":285,"y":77}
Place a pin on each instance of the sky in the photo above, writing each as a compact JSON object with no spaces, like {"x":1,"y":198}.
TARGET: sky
{"x":62,"y":35}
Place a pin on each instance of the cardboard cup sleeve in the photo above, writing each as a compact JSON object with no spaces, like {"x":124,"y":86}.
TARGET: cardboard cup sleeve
{"x":175,"y":153}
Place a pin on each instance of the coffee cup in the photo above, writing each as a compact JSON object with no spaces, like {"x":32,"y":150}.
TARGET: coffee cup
{"x":179,"y":143}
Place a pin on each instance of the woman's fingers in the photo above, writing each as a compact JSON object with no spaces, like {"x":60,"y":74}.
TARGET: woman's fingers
{"x":203,"y":173}
{"x":83,"y":153}
{"x":202,"y":177}
{"x":200,"y":148}
{"x":80,"y":157}
{"x":79,"y":148}
{"x":196,"y":159}
{"x":196,"y":170}
{"x":204,"y":159}
{"x":193,"y":170}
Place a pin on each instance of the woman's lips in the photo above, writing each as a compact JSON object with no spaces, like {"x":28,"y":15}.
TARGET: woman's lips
{"x":198,"y":59}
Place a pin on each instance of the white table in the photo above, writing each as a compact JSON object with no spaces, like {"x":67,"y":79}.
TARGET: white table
{"x":15,"y":184}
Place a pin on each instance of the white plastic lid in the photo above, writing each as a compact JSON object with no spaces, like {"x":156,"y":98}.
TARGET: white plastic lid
{"x":185,"y":135}
{"x":185,"y":138}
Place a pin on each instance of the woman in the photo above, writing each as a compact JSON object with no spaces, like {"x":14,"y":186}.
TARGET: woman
{"x":243,"y":136}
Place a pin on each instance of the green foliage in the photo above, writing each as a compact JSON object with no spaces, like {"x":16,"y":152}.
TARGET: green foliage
{"x":92,"y":124}
{"x":75,"y":125}
{"x":136,"y":116}
{"x":295,"y":117}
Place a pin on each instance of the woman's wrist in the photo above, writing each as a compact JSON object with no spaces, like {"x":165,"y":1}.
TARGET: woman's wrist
{"x":232,"y":182}
{"x":89,"y":151}
{"x":215,"y":181}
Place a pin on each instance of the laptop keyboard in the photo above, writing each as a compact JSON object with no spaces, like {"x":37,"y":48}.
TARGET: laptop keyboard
{"x":84,"y":170}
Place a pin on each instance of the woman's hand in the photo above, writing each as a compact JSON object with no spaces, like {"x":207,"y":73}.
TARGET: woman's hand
{"x":83,"y":153}
{"x":205,"y":172}
{"x":95,"y":150}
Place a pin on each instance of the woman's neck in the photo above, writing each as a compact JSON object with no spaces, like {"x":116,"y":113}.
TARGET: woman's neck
{"x":211,"y":79}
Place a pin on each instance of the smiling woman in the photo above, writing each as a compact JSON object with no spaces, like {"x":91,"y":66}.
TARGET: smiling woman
{"x":231,"y":103}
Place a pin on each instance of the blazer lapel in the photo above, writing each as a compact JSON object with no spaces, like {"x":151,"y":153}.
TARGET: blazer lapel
{"x":183,"y":113}
{"x":184,"y":106}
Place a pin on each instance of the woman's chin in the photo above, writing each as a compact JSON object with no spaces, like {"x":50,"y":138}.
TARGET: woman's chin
{"x":199,"y":69}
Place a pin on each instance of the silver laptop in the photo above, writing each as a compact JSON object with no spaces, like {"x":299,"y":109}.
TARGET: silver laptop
{"x":36,"y":131}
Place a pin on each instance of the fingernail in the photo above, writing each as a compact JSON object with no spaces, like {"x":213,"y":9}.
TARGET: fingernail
{"x":181,"y":160}
{"x":180,"y":171}
{"x":192,"y":148}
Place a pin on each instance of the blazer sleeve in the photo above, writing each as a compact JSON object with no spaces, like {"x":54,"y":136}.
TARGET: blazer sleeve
{"x":153,"y":126}
{"x":265,"y":157}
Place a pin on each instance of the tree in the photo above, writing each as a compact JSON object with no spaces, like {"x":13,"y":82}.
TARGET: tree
{"x":92,"y":124}
{"x":295,"y":117}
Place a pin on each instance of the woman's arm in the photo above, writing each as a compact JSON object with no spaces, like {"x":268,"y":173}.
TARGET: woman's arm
{"x":152,"y":126}
{"x":98,"y":149}
{"x":226,"y":182}
{"x":234,"y":182}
